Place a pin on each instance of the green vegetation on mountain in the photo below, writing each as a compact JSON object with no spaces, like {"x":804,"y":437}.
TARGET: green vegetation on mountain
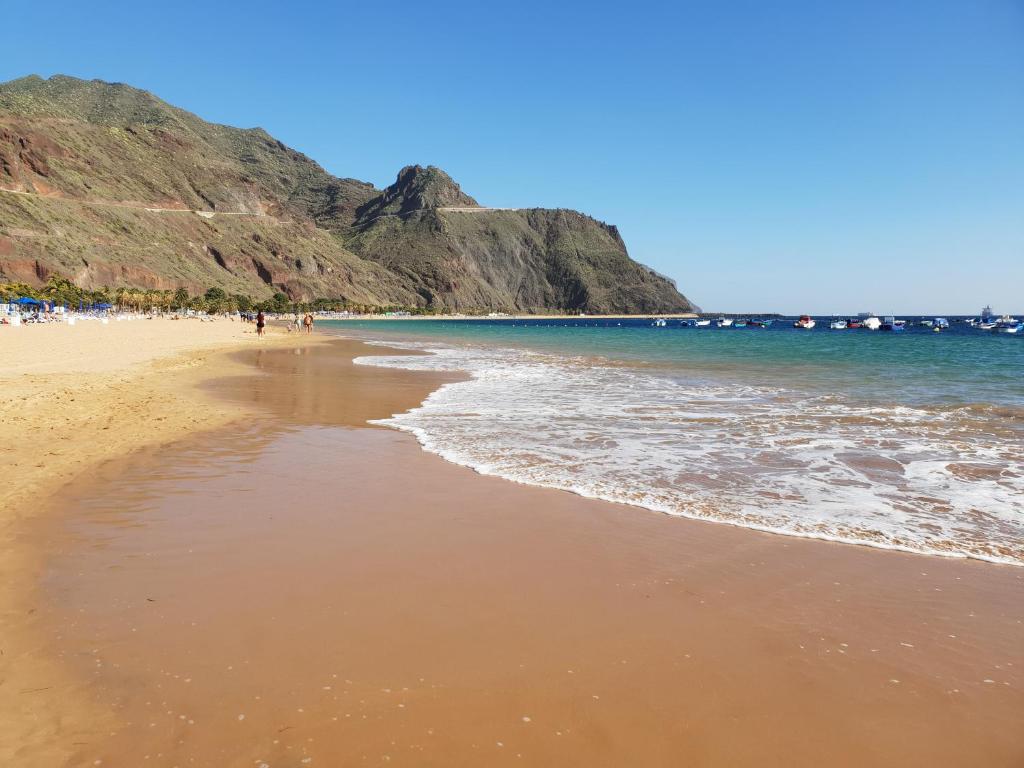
{"x":110,"y":186}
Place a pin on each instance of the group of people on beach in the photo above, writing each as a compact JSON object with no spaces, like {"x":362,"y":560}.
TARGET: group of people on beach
{"x":296,"y":325}
{"x":307,"y":323}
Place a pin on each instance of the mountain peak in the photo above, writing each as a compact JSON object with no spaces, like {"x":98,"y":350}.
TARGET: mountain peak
{"x":417,"y":188}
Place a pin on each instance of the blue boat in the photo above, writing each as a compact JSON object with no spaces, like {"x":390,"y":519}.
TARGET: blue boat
{"x":890,"y":323}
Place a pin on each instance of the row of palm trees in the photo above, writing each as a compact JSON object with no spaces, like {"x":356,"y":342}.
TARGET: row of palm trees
{"x":60,"y":290}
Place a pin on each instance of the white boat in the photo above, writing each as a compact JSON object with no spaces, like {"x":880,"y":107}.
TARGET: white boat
{"x":702,"y":323}
{"x":806,"y":322}
{"x":838,"y":325}
{"x":659,"y":322}
{"x":724,"y":322}
{"x":1007,"y":324}
{"x":871,"y":322}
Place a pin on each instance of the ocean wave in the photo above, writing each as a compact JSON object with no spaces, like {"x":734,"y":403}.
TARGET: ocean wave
{"x":934,"y":480}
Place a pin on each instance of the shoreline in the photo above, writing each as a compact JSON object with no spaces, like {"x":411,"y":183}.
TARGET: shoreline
{"x":468,"y":617}
{"x":675,"y":316}
{"x":74,"y":399}
{"x":437,"y":433}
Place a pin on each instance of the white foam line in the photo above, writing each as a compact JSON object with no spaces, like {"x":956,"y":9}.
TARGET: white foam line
{"x":429,"y":442}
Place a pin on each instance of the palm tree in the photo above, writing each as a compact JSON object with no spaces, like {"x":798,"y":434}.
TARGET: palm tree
{"x":181,"y":298}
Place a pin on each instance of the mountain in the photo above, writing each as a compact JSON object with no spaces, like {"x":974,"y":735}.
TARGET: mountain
{"x":109,"y":185}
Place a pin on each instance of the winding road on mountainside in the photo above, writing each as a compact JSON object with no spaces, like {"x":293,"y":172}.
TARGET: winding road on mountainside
{"x":210,"y":214}
{"x":135,"y":206}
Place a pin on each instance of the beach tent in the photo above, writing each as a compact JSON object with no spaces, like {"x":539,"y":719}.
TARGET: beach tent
{"x":26,"y":300}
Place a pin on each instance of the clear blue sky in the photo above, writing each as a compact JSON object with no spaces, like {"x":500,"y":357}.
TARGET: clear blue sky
{"x":808,"y":155}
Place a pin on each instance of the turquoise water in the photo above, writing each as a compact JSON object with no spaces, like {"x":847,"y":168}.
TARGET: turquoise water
{"x":961,"y":365}
{"x":912,"y":441}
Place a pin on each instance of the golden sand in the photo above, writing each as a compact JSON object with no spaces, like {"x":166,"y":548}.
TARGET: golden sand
{"x":72,"y":397}
{"x":299,"y":589}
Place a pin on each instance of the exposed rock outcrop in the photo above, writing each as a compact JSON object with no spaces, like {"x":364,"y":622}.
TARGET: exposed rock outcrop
{"x":125,"y":189}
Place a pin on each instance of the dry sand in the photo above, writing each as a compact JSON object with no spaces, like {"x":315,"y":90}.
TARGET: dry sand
{"x":302,"y":590}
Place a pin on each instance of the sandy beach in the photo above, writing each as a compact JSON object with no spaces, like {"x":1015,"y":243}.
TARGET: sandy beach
{"x":222,"y":564}
{"x":71,"y":398}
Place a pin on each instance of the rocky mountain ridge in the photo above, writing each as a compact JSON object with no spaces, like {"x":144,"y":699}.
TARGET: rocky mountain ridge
{"x":109,"y":185}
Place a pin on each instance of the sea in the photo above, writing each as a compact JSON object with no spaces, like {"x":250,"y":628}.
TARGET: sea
{"x":910,"y":441}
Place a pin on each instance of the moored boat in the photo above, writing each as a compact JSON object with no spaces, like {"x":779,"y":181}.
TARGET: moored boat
{"x":838,"y":325}
{"x":1007,"y":324}
{"x":871,"y":322}
{"x":702,"y":323}
{"x":724,"y":322}
{"x":854,"y":322}
{"x":987,"y":321}
{"x":890,"y":323}
{"x":806,"y":322}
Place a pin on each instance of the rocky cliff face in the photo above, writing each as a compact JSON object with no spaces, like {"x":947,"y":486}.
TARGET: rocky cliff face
{"x":109,"y":185}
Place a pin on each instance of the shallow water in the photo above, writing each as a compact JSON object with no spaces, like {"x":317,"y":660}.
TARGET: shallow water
{"x":910,"y":441}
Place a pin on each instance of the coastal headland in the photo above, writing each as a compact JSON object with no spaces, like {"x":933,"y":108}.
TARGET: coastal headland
{"x":210,"y":558}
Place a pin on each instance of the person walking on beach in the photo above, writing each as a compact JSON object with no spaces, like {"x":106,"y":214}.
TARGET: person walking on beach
{"x":308,"y":322}
{"x":260,"y":322}
{"x":296,"y":323}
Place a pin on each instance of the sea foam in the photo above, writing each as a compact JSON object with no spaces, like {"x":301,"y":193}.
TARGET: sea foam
{"x":938,"y":480}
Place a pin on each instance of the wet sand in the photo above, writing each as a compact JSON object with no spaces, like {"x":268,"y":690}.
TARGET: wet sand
{"x":71,"y":397}
{"x":303,"y":589}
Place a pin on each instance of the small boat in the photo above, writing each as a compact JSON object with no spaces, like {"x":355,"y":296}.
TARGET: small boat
{"x":659,"y":322}
{"x":987,"y":321}
{"x":890,"y":323}
{"x":1007,"y":324}
{"x":760,"y":323}
{"x":724,"y":322}
{"x":854,"y":322}
{"x":702,"y":323}
{"x":806,"y":322}
{"x":871,"y":322}
{"x":740,"y":323}
{"x":838,"y":325}
{"x":926,"y":323}
{"x":940,"y":322}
